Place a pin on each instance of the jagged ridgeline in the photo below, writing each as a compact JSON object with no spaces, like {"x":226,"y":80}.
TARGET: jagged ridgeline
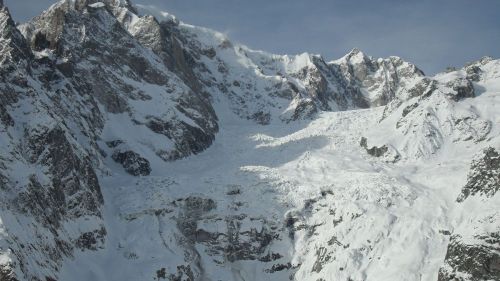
{"x":134,"y":146}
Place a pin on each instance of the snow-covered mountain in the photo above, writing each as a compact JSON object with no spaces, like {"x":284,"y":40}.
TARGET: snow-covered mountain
{"x":134,"y":146}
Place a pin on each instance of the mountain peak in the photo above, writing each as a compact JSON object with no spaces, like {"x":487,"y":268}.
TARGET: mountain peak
{"x":355,"y":51}
{"x":13,"y":46}
{"x":355,"y":56}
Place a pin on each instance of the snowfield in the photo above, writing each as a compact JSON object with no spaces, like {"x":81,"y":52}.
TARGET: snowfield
{"x":362,"y":218}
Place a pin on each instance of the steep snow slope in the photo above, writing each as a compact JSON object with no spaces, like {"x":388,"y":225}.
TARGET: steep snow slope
{"x":286,"y":167}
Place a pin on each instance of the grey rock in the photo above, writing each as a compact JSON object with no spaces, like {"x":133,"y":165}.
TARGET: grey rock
{"x":261,"y":117}
{"x":373,"y":151}
{"x":484,"y":176}
{"x":409,"y":109}
{"x":473,"y":73}
{"x":245,"y":245}
{"x":322,"y":258}
{"x":305,"y":109}
{"x":189,"y":140}
{"x":476,"y":257}
{"x":462,"y":88}
{"x":92,"y":240}
{"x":183,"y":273}
{"x":279,"y":267}
{"x":6,"y":273}
{"x":69,"y":190}
{"x":234,"y":244}
{"x":74,"y":184}
{"x":450,"y":69}
{"x":114,"y":143}
{"x":14,"y":50}
{"x":193,"y":208}
{"x":132,"y":162}
{"x":466,"y":262}
{"x":5,"y":118}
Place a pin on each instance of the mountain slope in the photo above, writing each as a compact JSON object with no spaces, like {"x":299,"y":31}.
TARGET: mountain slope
{"x":138,"y":147}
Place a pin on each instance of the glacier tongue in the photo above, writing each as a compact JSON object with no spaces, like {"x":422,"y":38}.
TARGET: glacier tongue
{"x":139,"y":147}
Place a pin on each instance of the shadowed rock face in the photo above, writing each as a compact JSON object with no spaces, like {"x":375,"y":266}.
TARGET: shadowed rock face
{"x":6,"y":273}
{"x":109,"y":58}
{"x":70,"y":70}
{"x":237,"y":238}
{"x":478,"y":257}
{"x":385,"y":152}
{"x":462,"y":88}
{"x":14,"y":50}
{"x":484,"y":176}
{"x":465,"y":262}
{"x":133,"y":163}
{"x":92,"y":240}
{"x":68,"y":190}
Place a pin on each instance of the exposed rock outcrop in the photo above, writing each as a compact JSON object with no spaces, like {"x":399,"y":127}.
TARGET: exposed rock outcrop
{"x":132,"y":162}
{"x":462,"y":88}
{"x":484,"y":176}
{"x":373,"y":151}
{"x":472,"y":262}
{"x":473,"y":253}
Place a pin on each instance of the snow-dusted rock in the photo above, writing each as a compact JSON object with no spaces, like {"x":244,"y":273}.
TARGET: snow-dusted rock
{"x":132,"y":162}
{"x":484,"y":177}
{"x":378,"y":81}
{"x":473,"y":251}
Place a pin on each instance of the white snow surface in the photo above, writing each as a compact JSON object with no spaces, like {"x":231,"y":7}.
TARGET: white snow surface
{"x":374,"y":220}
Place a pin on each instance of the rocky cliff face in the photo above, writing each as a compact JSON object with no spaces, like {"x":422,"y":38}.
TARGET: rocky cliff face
{"x":473,"y":252}
{"x":49,"y":179}
{"x":137,"y":147}
{"x":428,"y":114}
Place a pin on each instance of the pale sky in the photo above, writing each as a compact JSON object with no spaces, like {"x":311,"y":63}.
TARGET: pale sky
{"x":433,"y":34}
